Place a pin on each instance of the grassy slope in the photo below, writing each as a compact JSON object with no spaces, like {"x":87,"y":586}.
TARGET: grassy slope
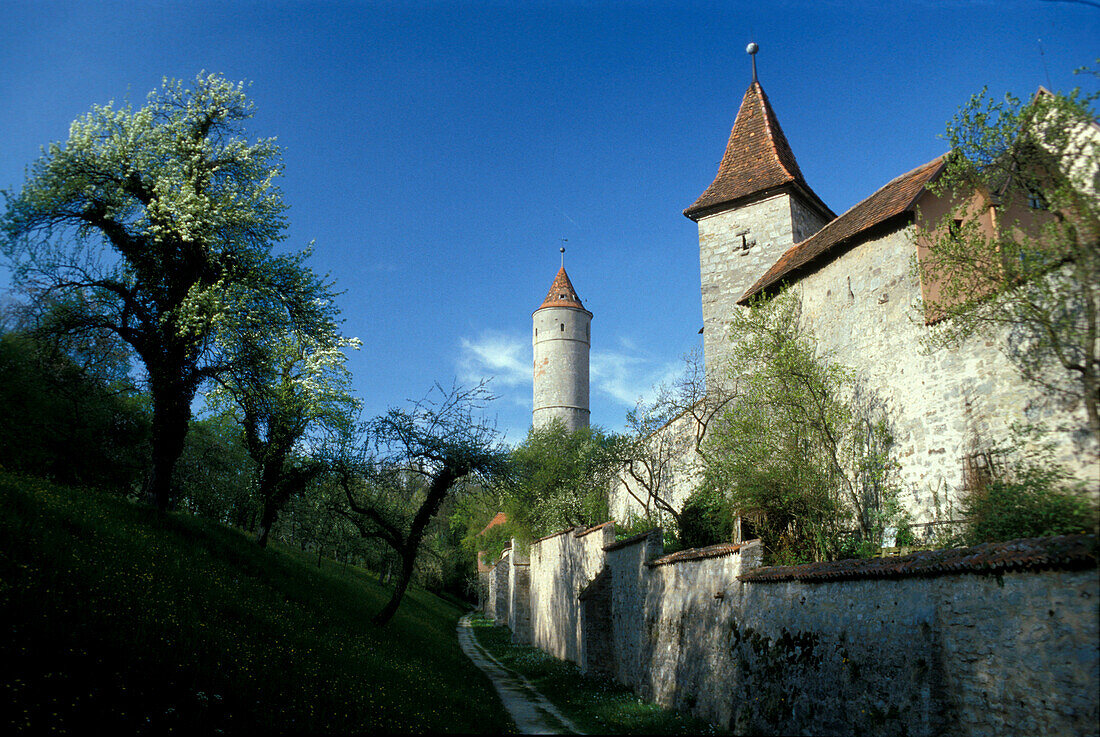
{"x":114,"y":618}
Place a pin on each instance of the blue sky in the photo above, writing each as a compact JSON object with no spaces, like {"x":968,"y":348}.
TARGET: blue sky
{"x":438,"y":152}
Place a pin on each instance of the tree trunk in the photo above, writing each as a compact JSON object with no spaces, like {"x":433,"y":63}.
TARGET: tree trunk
{"x":437,"y":490}
{"x":266,"y":522}
{"x":171,"y":415}
{"x":408,"y":559}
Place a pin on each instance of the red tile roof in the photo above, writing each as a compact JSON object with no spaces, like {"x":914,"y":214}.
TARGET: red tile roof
{"x":896,"y":197}
{"x":499,"y":519}
{"x":1065,"y":552}
{"x":757,"y":158}
{"x":562,"y":293}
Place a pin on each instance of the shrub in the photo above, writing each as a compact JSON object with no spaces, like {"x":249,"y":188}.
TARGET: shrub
{"x":706,"y":519}
{"x":1038,"y":502}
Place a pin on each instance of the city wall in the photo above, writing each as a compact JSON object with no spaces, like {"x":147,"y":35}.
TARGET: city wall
{"x":972,"y":641}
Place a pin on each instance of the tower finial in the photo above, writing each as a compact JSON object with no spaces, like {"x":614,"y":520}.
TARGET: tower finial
{"x":562,"y":249}
{"x":751,"y":50}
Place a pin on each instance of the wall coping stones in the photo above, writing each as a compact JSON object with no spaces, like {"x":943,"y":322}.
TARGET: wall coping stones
{"x":577,"y":531}
{"x":1063,"y":552}
{"x":552,"y":534}
{"x":593,"y":528}
{"x":711,"y":551}
{"x":633,"y":539}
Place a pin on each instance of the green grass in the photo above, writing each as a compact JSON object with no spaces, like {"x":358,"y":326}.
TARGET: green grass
{"x":597,"y":705}
{"x":115,"y":621}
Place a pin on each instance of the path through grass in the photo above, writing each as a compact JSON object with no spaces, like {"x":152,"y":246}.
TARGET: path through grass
{"x":598,"y":705}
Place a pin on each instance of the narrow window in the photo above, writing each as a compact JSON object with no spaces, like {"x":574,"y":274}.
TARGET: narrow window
{"x":563,"y":327}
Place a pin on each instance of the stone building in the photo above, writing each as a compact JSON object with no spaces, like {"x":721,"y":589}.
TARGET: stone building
{"x":762,"y":228}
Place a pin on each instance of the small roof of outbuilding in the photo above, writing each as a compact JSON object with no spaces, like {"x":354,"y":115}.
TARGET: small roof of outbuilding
{"x":499,"y":519}
{"x":758,"y":158}
{"x":896,"y":197}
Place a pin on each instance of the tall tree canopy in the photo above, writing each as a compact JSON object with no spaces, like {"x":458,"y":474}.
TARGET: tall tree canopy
{"x":157,"y":225}
{"x":283,"y":387}
{"x":562,"y":478}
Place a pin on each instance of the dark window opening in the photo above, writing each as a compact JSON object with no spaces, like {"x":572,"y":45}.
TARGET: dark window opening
{"x":1035,"y":200}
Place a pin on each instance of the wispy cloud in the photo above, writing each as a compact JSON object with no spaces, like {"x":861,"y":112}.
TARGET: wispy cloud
{"x":623,"y":374}
{"x":506,"y":359}
{"x":627,"y":376}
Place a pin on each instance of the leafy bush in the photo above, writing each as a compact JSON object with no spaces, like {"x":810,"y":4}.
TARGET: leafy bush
{"x":561,"y":479}
{"x":801,"y":449}
{"x":636,"y":525}
{"x":1038,"y":502}
{"x":706,"y":519}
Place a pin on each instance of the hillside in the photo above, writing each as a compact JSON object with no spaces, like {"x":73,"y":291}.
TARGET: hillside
{"x":115,"y":619}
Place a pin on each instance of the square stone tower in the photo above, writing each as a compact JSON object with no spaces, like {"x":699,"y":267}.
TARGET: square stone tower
{"x":757,"y":207}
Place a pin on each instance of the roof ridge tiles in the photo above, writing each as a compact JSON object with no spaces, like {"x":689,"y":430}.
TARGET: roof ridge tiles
{"x":897,"y":196}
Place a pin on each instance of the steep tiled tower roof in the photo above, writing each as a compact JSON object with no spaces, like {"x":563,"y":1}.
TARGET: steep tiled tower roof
{"x":562,"y":293}
{"x":757,"y":159}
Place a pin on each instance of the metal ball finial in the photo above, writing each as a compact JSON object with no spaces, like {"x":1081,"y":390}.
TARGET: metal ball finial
{"x":751,"y":50}
{"x":562,"y":249}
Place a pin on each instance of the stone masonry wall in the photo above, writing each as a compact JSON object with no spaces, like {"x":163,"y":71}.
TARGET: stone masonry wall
{"x":519,"y":597}
{"x":499,"y":592}
{"x":735,"y":247}
{"x":967,"y":653}
{"x":941,"y":406}
{"x":861,"y":308}
{"x":561,"y":566}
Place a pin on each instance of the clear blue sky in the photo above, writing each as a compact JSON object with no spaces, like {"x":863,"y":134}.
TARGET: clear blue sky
{"x":438,"y":152}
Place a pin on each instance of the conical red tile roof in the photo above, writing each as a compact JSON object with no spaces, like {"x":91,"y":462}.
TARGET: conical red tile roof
{"x":757,"y":158}
{"x":562,"y":293}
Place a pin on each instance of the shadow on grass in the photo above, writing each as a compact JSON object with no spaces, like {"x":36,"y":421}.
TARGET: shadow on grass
{"x":598,"y":705}
{"x":117,"y":621}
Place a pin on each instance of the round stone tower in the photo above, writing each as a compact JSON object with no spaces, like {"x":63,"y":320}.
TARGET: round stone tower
{"x":562,"y":340}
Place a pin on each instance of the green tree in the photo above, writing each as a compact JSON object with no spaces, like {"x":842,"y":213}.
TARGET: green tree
{"x":795,"y":451}
{"x":413,"y":460}
{"x":70,"y":415}
{"x":287,"y":387}
{"x":214,"y":474}
{"x":157,"y":225}
{"x":1029,"y":277}
{"x":561,"y":478}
